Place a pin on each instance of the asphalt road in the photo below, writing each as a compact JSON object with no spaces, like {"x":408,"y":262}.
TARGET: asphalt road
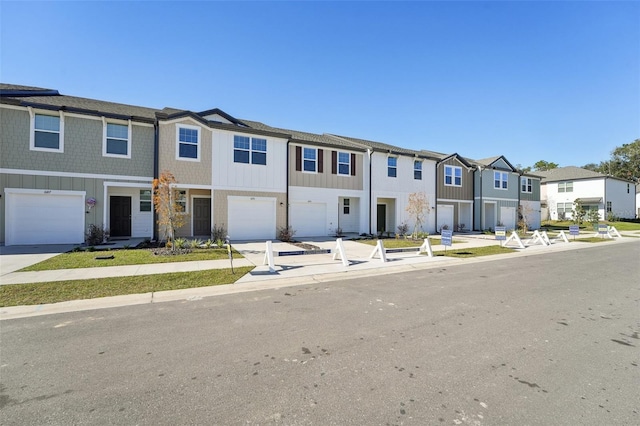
{"x":539,"y":340}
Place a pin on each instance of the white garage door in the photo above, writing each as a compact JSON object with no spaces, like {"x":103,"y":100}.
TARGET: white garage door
{"x":252,"y":218}
{"x":44,"y":217}
{"x":309,"y":219}
{"x":445,"y":217}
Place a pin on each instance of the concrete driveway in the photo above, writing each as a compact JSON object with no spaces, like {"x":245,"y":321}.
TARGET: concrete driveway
{"x":14,"y":258}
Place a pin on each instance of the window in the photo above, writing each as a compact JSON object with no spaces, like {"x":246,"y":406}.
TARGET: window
{"x":344,"y":164}
{"x":181,"y":200}
{"x":627,"y":188}
{"x":565,"y":187}
{"x":116,"y":140}
{"x":145,"y":200}
{"x":525,"y":184}
{"x":609,"y":207}
{"x":188,"y":146}
{"x":452,"y":176}
{"x":392,"y":166}
{"x":310,"y":160}
{"x":417,"y":170}
{"x":565,"y":208}
{"x":47,"y":131}
{"x":500,"y":180}
{"x":345,"y":206}
{"x":249,"y":150}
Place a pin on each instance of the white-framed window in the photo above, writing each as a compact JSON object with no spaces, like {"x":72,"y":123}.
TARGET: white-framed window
{"x":181,"y":200}
{"x":145,"y":200}
{"x":452,"y":176}
{"x":500,"y":180}
{"x":249,"y":150}
{"x":565,"y":187}
{"x":346,"y":204}
{"x":609,"y":207}
{"x":392,"y":166}
{"x":116,"y":139}
{"x":564,"y":208}
{"x":417,"y":170}
{"x":47,"y":132}
{"x":344,"y":163}
{"x":526,"y":184}
{"x":309,"y":159}
{"x":187,"y":143}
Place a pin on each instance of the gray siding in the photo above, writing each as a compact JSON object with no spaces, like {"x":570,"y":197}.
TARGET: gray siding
{"x":464,"y":192}
{"x":325,"y":179}
{"x":488,"y":191}
{"x":82,"y":148}
{"x":534,"y":195}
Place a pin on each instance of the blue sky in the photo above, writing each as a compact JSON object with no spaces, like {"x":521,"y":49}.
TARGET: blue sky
{"x":554,"y":81}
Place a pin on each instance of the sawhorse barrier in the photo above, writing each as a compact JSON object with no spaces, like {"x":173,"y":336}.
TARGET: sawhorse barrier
{"x":382,"y":252}
{"x":269,"y":254}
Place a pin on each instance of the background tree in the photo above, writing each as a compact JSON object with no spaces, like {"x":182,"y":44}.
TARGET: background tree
{"x":165,"y":201}
{"x":579,"y":213}
{"x":417,"y":208}
{"x":624,"y":162}
{"x":542,"y":165}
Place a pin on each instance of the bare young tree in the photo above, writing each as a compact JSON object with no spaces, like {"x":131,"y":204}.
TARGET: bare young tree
{"x":418,"y":208}
{"x":165,"y":201}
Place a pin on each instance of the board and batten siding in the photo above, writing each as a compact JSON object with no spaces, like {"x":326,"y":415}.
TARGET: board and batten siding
{"x":83,"y":141}
{"x":534,"y":195}
{"x":185,"y":171}
{"x":326,"y":179}
{"x":449,"y":192}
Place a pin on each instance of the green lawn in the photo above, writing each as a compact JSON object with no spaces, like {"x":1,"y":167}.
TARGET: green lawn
{"x":87,"y":259}
{"x":563,"y":225}
{"x":474,"y":251}
{"x":62,"y":291}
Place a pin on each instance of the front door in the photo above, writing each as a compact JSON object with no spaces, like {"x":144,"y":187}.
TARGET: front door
{"x":201,"y":216}
{"x":381,"y":214}
{"x":120,"y":216}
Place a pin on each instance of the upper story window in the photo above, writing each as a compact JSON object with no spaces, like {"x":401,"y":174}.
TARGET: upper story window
{"x":116,"y":140}
{"x":526,"y":184}
{"x":188,"y":143}
{"x":417,"y":170}
{"x":310,"y":160}
{"x":565,"y":187}
{"x":249,"y":150}
{"x":609,"y":207}
{"x":392,"y":166}
{"x":500,"y":180}
{"x":145,"y":200}
{"x":452,"y":176}
{"x":47,"y":132}
{"x":344,"y":163}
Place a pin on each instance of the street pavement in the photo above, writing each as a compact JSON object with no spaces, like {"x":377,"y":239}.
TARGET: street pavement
{"x":287,"y":270}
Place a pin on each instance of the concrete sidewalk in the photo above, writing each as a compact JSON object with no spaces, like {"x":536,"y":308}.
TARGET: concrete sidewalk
{"x":289,"y":270}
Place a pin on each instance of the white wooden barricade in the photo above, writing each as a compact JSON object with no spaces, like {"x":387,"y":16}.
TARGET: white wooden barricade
{"x":379,"y":249}
{"x":614,"y":231}
{"x":537,"y":237}
{"x":339,"y":251}
{"x":268,"y":257}
{"x":514,"y":236}
{"x":426,"y":246}
{"x":562,"y":236}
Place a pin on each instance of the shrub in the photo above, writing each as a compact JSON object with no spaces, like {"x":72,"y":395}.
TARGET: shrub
{"x":180,"y":243}
{"x":403,"y":228}
{"x":286,"y":233}
{"x":196,"y":243}
{"x":218,"y":233}
{"x":96,"y":235}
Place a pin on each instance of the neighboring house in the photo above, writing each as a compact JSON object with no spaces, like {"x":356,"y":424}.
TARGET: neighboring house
{"x":229,"y":174}
{"x":497,"y":187}
{"x":395,"y":173}
{"x":455,"y":193}
{"x":530,"y":208}
{"x":638,"y":201}
{"x":68,"y":163}
{"x":608,"y":195}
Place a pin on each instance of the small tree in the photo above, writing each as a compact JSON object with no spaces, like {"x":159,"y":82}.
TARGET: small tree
{"x":417,"y":208}
{"x":579,"y":213}
{"x":165,"y":201}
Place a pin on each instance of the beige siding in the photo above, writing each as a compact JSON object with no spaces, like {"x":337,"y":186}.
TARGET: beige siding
{"x":221,"y":206}
{"x":464,"y":192}
{"x":185,"y":172}
{"x":325,"y":179}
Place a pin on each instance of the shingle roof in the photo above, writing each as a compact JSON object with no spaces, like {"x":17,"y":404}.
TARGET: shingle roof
{"x":568,"y":173}
{"x":381,"y":146}
{"x":73,"y":103}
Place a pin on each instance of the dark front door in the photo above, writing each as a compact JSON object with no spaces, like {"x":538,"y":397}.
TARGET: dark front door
{"x":382,"y":217}
{"x":120,"y":216}
{"x":201,"y":216}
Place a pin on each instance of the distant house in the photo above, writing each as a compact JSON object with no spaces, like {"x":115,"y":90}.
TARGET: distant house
{"x":608,"y":195}
{"x":638,"y":200}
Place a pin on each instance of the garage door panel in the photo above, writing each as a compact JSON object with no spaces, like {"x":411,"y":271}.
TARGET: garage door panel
{"x":252,"y":218}
{"x":44,"y":218}
{"x":309,"y":219}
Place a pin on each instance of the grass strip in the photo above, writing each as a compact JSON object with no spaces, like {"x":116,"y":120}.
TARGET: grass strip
{"x":592,"y":240}
{"x":87,"y":259}
{"x":62,"y":291}
{"x":474,"y":251}
{"x":402,"y":243}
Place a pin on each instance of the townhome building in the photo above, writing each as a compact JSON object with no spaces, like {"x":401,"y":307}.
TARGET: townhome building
{"x":455,"y":193}
{"x":529,"y":210}
{"x":229,"y":174}
{"x":563,"y":187}
{"x":496,"y":191}
{"x":396,"y":173}
{"x":67,"y":163}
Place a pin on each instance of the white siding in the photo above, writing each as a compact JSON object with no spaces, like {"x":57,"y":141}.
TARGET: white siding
{"x":622,"y":197}
{"x":141,"y":222}
{"x":226,"y":174}
{"x":581,"y":189}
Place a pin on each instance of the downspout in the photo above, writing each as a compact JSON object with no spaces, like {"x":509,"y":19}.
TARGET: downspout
{"x":518,"y":209}
{"x":156,"y":166}
{"x":435,"y":208}
{"x":286,"y":195}
{"x":369,"y":153}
